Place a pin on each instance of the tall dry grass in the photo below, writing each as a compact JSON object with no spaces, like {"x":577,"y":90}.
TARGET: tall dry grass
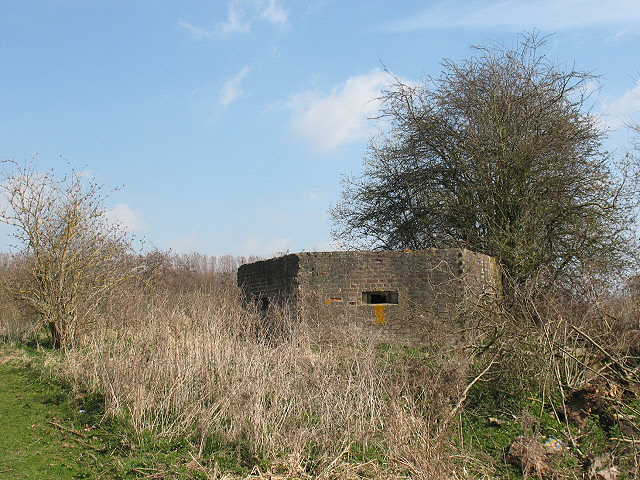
{"x":194,"y":365}
{"x":175,"y":353}
{"x":18,"y":323}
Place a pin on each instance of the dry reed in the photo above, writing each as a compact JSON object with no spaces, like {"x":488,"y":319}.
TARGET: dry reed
{"x":193,"y":365}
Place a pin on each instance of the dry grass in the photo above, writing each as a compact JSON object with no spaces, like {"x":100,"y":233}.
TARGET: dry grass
{"x":15,"y":326}
{"x":192,"y":365}
{"x":177,"y":355}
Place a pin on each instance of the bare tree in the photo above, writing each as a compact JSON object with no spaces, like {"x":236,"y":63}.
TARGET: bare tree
{"x":500,"y":155}
{"x":71,"y":256}
{"x":634,"y":128}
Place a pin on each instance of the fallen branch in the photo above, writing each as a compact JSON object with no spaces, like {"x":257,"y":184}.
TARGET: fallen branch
{"x":626,"y":372}
{"x":625,"y":440}
{"x":75,"y":432}
{"x":150,"y":473}
{"x":463,"y":397}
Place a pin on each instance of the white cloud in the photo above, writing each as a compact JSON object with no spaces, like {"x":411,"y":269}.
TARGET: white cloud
{"x":236,"y":21}
{"x":196,"y":32}
{"x":543,"y":14}
{"x":274,"y":13}
{"x":240,"y":15}
{"x":228,"y":242}
{"x":620,"y":34}
{"x":189,"y":242}
{"x":209,"y":101}
{"x":619,"y":111}
{"x":256,"y":245}
{"x":343,"y":116}
{"x":329,"y":246}
{"x":232,"y":88}
{"x":311,"y":196}
{"x":126,"y":217}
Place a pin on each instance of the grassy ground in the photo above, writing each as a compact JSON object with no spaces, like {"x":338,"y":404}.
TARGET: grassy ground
{"x":49,"y":433}
{"x":32,"y":444}
{"x":46,"y":431}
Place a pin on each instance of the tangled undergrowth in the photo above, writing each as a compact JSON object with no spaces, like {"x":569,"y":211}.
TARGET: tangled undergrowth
{"x":547,"y":386}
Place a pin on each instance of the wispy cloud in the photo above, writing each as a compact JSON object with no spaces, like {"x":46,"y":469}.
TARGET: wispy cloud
{"x":275,"y":13}
{"x":311,"y":196}
{"x":232,"y":88}
{"x":328,"y":121}
{"x":196,"y":32}
{"x":210,"y":101}
{"x":619,"y":111}
{"x":257,"y":245}
{"x":236,"y":20}
{"x":123,"y":215}
{"x":240,"y":15}
{"x":331,"y":246}
{"x":543,"y":14}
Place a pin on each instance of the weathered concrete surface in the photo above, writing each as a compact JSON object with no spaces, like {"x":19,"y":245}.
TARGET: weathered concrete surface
{"x":400,"y":295}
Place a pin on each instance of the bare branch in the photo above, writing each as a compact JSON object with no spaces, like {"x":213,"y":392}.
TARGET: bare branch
{"x":70,"y":253}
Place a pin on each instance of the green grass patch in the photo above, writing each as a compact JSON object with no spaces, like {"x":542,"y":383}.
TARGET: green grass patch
{"x":32,"y":445}
{"x":49,"y":433}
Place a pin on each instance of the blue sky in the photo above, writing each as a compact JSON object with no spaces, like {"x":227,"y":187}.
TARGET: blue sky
{"x":229,"y":124}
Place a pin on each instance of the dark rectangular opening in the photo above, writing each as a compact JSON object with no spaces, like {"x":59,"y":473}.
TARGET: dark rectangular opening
{"x":376,"y":298}
{"x":263,"y":304}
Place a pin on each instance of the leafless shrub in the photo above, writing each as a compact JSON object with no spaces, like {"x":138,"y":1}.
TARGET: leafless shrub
{"x":573,"y":349}
{"x":70,"y":253}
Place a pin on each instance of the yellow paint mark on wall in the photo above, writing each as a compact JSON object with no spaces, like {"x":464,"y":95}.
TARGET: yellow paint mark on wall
{"x":379,"y":312}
